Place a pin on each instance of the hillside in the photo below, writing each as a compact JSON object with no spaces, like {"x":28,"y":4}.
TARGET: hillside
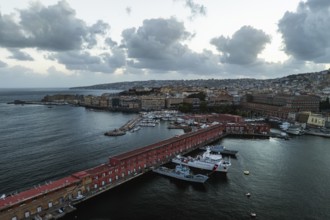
{"x":316,"y":79}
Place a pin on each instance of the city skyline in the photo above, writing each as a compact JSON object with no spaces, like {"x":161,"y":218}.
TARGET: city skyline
{"x":72,"y":43}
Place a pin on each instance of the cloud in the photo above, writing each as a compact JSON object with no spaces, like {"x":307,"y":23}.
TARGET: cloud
{"x":158,"y":45}
{"x":128,"y":10}
{"x":195,"y":9}
{"x":3,"y":64}
{"x":54,"y":28}
{"x":19,"y":55}
{"x":83,"y":60}
{"x":306,"y":32}
{"x":100,"y":28}
{"x":243,"y":47}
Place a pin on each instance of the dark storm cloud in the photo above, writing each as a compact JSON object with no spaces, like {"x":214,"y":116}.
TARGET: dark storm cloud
{"x":157,"y":45}
{"x":243,"y":47}
{"x":306,"y":32}
{"x":19,"y":55}
{"x":53,"y":28}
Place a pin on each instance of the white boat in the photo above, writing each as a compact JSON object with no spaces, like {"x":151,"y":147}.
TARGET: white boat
{"x":147,"y":124}
{"x":219,"y":149}
{"x":284,"y":126}
{"x":206,"y":161}
{"x":295,"y":129}
{"x":318,"y":132}
{"x":135,"y":129}
{"x":181,"y":172}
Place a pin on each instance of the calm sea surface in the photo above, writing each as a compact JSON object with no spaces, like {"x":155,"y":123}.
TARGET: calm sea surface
{"x":288,"y":179}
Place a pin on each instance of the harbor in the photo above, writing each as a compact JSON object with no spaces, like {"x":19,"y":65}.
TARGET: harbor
{"x":85,"y":184}
{"x":87,"y":147}
{"x":258,"y":156}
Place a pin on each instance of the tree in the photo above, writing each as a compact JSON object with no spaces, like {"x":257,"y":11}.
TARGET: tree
{"x":185,"y":107}
{"x":200,"y":95}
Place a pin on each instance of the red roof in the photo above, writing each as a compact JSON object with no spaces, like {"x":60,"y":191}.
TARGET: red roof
{"x":81,"y":174}
{"x":98,"y":169}
{"x":37,"y":191}
{"x":152,"y":146}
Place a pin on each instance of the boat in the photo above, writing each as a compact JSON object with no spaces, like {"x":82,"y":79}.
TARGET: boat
{"x":181,"y":172}
{"x":284,"y":126}
{"x":219,"y":149}
{"x":295,"y":130}
{"x":135,"y":129}
{"x":206,"y":161}
{"x":318,"y":132}
{"x":246,"y":172}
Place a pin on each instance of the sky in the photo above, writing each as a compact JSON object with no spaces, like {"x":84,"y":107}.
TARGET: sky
{"x":71,"y":43}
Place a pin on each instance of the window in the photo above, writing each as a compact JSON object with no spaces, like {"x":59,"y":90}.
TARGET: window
{"x":39,"y":209}
{"x":50,"y":204}
{"x":27,"y":214}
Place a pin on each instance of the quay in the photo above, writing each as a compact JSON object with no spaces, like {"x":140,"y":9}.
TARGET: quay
{"x":56,"y":198}
{"x":126,"y":127}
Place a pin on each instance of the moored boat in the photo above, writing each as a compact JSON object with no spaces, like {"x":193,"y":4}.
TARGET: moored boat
{"x":181,"y":172}
{"x":135,"y":129}
{"x":318,"y":132}
{"x":295,"y":130}
{"x":219,"y":149}
{"x":206,"y":161}
{"x":284,"y":126}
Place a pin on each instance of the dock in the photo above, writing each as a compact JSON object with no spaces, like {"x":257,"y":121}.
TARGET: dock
{"x":71,"y":190}
{"x":126,"y":127}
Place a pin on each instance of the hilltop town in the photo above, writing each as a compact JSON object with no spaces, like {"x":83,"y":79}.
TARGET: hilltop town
{"x":283,"y":98}
{"x":316,"y":83}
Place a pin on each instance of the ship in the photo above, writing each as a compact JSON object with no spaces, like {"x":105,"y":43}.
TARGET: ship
{"x":295,"y":130}
{"x":220,"y":149}
{"x":181,"y":172}
{"x":206,"y":161}
{"x":318,"y":132}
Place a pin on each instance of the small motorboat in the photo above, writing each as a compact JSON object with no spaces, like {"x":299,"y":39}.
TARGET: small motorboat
{"x":246,"y":172}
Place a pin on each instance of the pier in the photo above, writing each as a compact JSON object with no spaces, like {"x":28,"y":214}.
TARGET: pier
{"x":54,"y":199}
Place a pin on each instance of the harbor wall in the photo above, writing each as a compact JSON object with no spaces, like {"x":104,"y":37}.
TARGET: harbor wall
{"x":54,"y":199}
